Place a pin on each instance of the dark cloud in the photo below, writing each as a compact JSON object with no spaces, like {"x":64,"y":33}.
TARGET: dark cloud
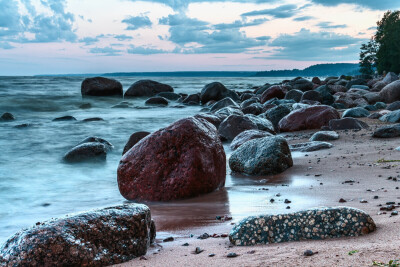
{"x":284,"y":11}
{"x":144,"y":50}
{"x":106,"y":51}
{"x":373,"y":4}
{"x":240,"y":24}
{"x":304,"y":18}
{"x":329,"y":25}
{"x":123,"y":37}
{"x":137,"y":22}
{"x":306,"y":45}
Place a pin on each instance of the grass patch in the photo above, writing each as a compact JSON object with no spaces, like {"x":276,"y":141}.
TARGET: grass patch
{"x":391,"y":263}
{"x":352,"y":252}
{"x":388,"y":160}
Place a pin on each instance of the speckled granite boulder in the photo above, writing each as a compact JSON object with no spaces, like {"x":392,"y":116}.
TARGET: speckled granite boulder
{"x":324,"y":136}
{"x":262,"y":156}
{"x":133,"y":140}
{"x":234,"y":125}
{"x":245,"y":136}
{"x":310,"y":146}
{"x":316,"y":224}
{"x":95,"y":238}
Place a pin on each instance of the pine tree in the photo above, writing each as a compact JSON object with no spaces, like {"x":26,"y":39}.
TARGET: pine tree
{"x":368,"y":57}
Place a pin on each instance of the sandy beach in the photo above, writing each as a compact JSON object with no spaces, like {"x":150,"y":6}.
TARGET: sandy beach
{"x":357,"y":157}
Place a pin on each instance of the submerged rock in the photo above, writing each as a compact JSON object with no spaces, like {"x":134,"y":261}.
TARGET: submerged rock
{"x":183,"y":160}
{"x":388,"y":131}
{"x":134,"y":139}
{"x":7,"y":117}
{"x":156,"y":101}
{"x":96,"y":238}
{"x":324,"y":136}
{"x":86,"y":152}
{"x":147,"y":88}
{"x":95,"y":139}
{"x":100,"y":86}
{"x":65,"y":118}
{"x":316,"y":224}
{"x":310,"y":146}
{"x":262,"y":156}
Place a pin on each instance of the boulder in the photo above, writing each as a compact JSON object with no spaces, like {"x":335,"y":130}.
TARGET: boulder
{"x":357,"y":112}
{"x":324,"y":136}
{"x":255,"y":109}
{"x":234,"y":125}
{"x":391,"y":92}
{"x":156,"y":101}
{"x":380,"y":105}
{"x":133,"y":140}
{"x":362,"y":87}
{"x":377,"y":87}
{"x":86,"y":152}
{"x":390,"y":77}
{"x":326,"y":95}
{"x":65,"y":118}
{"x":393,"y":117}
{"x":355,"y":82}
{"x":227,"y":111}
{"x":169,"y":95}
{"x":262,"y":156}
{"x":216,"y":91}
{"x":226,"y":102}
{"x":275,"y":114}
{"x":316,"y":80}
{"x":308,"y":118}
{"x":100,"y":237}
{"x":370,"y":108}
{"x":372,"y":97}
{"x":347,"y":124}
{"x":315,"y":224}
{"x":183,"y":160}
{"x":193,"y":99}
{"x":388,"y":131}
{"x":95,"y":139}
{"x":312,"y":95}
{"x":248,"y":102}
{"x":147,"y":88}
{"x":7,"y":117}
{"x":248,"y":135}
{"x":375,"y":116}
{"x":277,"y":91}
{"x":302,"y":84}
{"x":245,"y":96}
{"x":211,"y":118}
{"x":393,"y":106}
{"x":310,"y":146}
{"x":294,"y":94}
{"x":100,"y":86}
{"x":262,"y":124}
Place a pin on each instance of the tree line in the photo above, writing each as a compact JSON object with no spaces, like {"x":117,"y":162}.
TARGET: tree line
{"x":382,"y":52}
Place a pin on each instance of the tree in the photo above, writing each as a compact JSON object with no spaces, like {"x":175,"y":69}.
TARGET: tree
{"x":368,"y":57}
{"x":384,"y":48}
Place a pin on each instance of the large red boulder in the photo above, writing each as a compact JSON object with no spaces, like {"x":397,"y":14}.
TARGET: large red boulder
{"x":183,"y":160}
{"x":277,"y":91}
{"x":308,"y":118}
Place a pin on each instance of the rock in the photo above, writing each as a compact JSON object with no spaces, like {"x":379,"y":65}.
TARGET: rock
{"x":85,"y":106}
{"x":248,"y":135}
{"x":262,"y":89}
{"x":262,"y":124}
{"x":277,"y":91}
{"x":93,"y":119}
{"x":356,"y":82}
{"x":390,"y":77}
{"x":362,"y":87}
{"x":255,"y":109}
{"x":65,"y":118}
{"x":377,"y":87}
{"x":308,"y":253}
{"x":169,"y":95}
{"x":312,"y":224}
{"x":308,"y":118}
{"x":393,"y":106}
{"x":123,"y":104}
{"x":326,"y":95}
{"x":262,"y":156}
{"x":133,"y":140}
{"x":393,"y":117}
{"x":183,"y":160}
{"x":213,"y":119}
{"x":388,"y":131}
{"x":372,"y":97}
{"x":198,"y":250}
{"x":226,"y":102}
{"x":86,"y":152}
{"x":380,"y":105}
{"x":232,"y":255}
{"x":216,"y":91}
{"x":324,"y":136}
{"x":302,"y":84}
{"x":147,"y":88}
{"x":246,"y":96}
{"x":234,"y":125}
{"x":99,"y":86}
{"x":7,"y":117}
{"x":355,"y":113}
{"x":227,"y":111}
{"x":391,"y":92}
{"x":375,"y":116}
{"x":275,"y":114}
{"x":248,"y":102}
{"x":312,"y":95}
{"x":96,"y":238}
{"x":95,"y":139}
{"x":316,"y":80}
{"x":294,"y":94}
{"x":310,"y":146}
{"x":156,"y":101}
{"x":347,"y":124}
{"x":193,"y":99}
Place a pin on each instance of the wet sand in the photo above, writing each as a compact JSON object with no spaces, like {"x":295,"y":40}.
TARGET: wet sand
{"x":316,"y":179}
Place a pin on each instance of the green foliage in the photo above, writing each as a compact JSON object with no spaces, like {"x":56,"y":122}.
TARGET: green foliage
{"x":384,"y":48}
{"x":391,"y":263}
{"x":352,"y":252}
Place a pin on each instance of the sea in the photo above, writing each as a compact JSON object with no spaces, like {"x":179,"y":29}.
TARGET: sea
{"x":36,"y":185}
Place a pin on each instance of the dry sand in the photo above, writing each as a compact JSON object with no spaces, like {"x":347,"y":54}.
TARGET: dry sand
{"x":354,"y":157}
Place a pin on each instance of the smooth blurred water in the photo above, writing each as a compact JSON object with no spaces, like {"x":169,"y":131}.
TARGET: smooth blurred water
{"x":36,"y":185}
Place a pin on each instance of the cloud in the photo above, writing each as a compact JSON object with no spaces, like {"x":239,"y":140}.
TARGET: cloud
{"x":89,"y":40}
{"x":284,"y":11}
{"x":144,"y":50}
{"x":5,"y":45}
{"x":182,"y":19}
{"x":137,"y":22}
{"x":106,"y":51}
{"x":123,"y":37}
{"x":373,"y":4}
{"x":240,"y":24}
{"x":304,"y":18}
{"x":329,"y":25}
{"x":306,"y":45}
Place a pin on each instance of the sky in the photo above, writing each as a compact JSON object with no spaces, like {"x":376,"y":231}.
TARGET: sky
{"x":93,"y":36}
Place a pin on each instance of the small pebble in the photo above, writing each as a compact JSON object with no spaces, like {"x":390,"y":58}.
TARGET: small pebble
{"x":287,"y":201}
{"x":198,"y":250}
{"x":211,"y":255}
{"x":342,"y":200}
{"x":308,"y":253}
{"x":232,"y":255}
{"x":168,"y":239}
